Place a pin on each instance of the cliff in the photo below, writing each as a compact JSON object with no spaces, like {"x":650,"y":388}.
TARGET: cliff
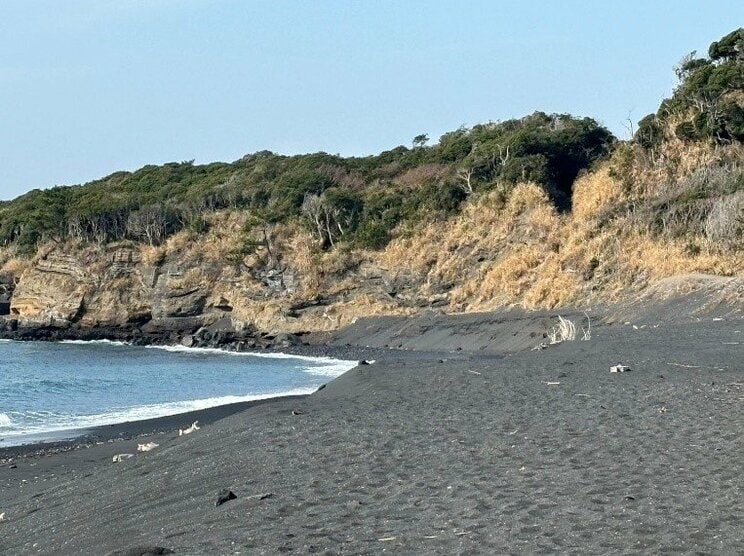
{"x":544,"y":212}
{"x":499,"y":252}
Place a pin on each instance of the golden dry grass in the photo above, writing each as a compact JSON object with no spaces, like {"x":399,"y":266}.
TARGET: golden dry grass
{"x":15,"y":265}
{"x":595,"y":193}
{"x":523,"y":253}
{"x":501,"y":250}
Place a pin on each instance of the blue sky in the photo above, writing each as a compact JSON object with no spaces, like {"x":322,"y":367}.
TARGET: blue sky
{"x":88,"y":87}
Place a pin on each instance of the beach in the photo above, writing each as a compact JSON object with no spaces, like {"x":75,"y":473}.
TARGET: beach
{"x":424,"y":452}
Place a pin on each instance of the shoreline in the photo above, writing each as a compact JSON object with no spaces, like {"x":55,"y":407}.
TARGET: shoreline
{"x":73,"y":439}
{"x":540,"y":451}
{"x":129,"y":430}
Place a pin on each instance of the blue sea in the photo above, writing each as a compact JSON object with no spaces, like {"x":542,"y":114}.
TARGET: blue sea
{"x":50,"y":389}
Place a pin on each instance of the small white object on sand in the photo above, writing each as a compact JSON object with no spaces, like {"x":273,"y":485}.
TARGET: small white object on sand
{"x":2,"y":516}
{"x":118,"y":458}
{"x":619,"y":368}
{"x":192,"y":428}
{"x":147,"y":447}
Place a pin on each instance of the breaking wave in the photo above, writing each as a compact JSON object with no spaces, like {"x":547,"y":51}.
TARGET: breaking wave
{"x":326,"y":366}
{"x":5,"y":421}
{"x":49,"y":422}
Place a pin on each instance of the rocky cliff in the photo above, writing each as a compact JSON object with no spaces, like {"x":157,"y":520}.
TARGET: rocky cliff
{"x":498,"y":253}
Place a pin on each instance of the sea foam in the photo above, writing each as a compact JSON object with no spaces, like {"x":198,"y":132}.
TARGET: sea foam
{"x":49,"y":398}
{"x":330,"y":367}
{"x":5,"y":421}
{"x":94,"y":342}
{"x":140,"y":413}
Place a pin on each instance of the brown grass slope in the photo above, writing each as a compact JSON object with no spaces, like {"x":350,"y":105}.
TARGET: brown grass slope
{"x":637,"y":221}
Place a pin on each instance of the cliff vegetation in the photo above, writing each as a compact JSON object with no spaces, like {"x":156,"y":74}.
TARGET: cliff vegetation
{"x":539,"y":212}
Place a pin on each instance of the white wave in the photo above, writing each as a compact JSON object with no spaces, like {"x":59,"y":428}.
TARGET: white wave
{"x":332,"y":371}
{"x":331,"y":367}
{"x":5,"y":421}
{"x":178,"y":348}
{"x":140,"y":413}
{"x":94,"y":342}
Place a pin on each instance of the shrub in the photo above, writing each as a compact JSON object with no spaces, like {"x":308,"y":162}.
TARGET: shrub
{"x":707,"y":99}
{"x":373,"y":234}
{"x":401,"y":184}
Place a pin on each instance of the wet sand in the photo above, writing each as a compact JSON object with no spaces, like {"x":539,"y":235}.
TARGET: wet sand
{"x":453,"y":453}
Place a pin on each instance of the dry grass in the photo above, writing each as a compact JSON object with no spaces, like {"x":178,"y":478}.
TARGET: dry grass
{"x":596,"y":193}
{"x":564,"y":331}
{"x":522,"y":253}
{"x":344,"y":313}
{"x":725,"y":220}
{"x":650,"y":260}
{"x":153,"y":255}
{"x":14,"y":266}
{"x":501,"y":250}
{"x":191,"y":278}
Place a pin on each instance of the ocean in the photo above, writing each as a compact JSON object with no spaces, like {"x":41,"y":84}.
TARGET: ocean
{"x":49,"y":389}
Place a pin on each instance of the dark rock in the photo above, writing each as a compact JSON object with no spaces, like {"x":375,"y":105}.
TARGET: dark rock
{"x":142,"y":551}
{"x":223,"y":496}
{"x":167,"y":325}
{"x":285,"y":340}
{"x":223,"y":334}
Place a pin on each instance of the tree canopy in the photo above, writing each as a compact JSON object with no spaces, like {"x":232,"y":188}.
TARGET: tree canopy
{"x":708,"y":103}
{"x":356,"y":199}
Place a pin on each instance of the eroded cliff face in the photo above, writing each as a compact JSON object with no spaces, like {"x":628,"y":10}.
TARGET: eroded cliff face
{"x":52,"y":291}
{"x":111,"y":286}
{"x":497,"y":253}
{"x":170,"y":293}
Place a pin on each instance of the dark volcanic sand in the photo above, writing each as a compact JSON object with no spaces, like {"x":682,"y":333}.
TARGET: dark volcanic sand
{"x":475,"y":454}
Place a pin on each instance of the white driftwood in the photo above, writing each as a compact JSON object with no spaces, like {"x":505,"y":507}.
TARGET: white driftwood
{"x":192,"y":428}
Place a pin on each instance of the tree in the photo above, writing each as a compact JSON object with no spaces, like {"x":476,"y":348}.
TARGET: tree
{"x":332,"y":214}
{"x":420,"y":140}
{"x":706,"y":105}
{"x":313,"y":209}
{"x":729,"y":47}
{"x":151,"y":223}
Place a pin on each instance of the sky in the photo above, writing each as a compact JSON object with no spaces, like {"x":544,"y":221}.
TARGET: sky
{"x":89,"y":87}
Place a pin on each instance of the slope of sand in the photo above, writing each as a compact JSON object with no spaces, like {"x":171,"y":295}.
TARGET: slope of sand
{"x":445,"y":454}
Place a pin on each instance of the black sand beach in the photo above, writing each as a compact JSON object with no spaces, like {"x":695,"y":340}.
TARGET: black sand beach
{"x":451,"y":453}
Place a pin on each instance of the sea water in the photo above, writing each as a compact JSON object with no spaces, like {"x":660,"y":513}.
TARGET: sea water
{"x":47,"y":388}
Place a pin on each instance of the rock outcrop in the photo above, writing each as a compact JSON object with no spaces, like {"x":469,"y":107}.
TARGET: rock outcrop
{"x":53,"y":291}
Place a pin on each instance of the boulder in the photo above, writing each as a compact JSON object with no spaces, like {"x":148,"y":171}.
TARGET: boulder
{"x":225,"y":495}
{"x":285,"y":339}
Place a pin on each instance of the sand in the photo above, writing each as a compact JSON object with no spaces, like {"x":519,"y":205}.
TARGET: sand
{"x":450,"y":453}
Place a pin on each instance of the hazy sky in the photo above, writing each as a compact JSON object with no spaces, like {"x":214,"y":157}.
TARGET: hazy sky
{"x":88,"y":87}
